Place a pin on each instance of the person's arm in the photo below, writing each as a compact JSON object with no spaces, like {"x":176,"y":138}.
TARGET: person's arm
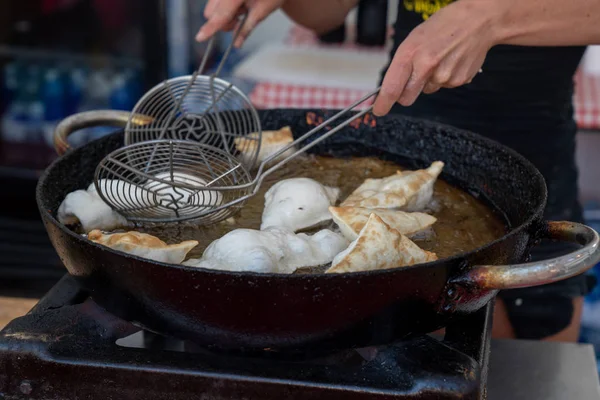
{"x":320,"y":16}
{"x":449,"y":48}
{"x":548,"y":22}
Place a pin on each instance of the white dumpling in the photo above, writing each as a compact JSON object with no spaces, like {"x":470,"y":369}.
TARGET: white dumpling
{"x":88,"y":209}
{"x":326,"y":241}
{"x":270,"y":251}
{"x":144,"y":245}
{"x":297,"y":203}
{"x":312,"y":250}
{"x":246,"y":250}
{"x":408,"y":190}
{"x":202,"y":263}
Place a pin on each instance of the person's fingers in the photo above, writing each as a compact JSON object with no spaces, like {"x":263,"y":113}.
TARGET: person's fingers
{"x":459,"y":78}
{"x":210,"y":8}
{"x":246,"y":28}
{"x":412,"y":90}
{"x":474,"y":68}
{"x":207,"y":30}
{"x":393,"y":84}
{"x":463,"y":70}
{"x":231,"y":25}
{"x":223,"y":13}
{"x":255,"y":16}
{"x":431,"y":87}
{"x":441,"y":75}
{"x":424,"y":64}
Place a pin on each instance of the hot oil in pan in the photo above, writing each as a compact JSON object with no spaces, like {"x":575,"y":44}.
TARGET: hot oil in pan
{"x":464,"y":223}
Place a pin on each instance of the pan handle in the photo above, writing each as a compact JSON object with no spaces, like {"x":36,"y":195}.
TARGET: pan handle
{"x":89,"y":119}
{"x":500,"y":277}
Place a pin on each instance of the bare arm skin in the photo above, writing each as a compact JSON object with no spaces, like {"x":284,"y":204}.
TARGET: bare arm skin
{"x":317,"y":15}
{"x":447,"y":50}
{"x":548,"y":22}
{"x":320,"y":16}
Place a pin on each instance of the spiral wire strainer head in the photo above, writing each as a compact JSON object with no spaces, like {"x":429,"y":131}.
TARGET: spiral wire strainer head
{"x":172,"y":181}
{"x":175,"y":180}
{"x":203,"y":109}
{"x":190,"y":158}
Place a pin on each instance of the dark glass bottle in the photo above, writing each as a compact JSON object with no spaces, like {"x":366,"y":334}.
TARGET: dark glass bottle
{"x":371,"y":22}
{"x":338,"y":35}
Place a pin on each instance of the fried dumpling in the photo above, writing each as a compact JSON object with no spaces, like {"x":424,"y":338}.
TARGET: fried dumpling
{"x":408,"y":190}
{"x":351,"y":220}
{"x":297,"y":203}
{"x":184,"y":200}
{"x":379,"y":247}
{"x":273,"y":250}
{"x":271,"y":142}
{"x":88,"y":209}
{"x":203,"y":263}
{"x":144,"y":245}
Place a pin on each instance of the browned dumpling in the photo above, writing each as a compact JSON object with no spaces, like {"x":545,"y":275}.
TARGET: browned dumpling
{"x":407,"y":191}
{"x":351,"y":220}
{"x":144,"y":245}
{"x":271,"y":142}
{"x":379,"y":247}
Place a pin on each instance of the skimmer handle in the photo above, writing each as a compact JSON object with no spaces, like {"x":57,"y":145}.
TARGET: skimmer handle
{"x":199,"y":71}
{"x":263,"y":174}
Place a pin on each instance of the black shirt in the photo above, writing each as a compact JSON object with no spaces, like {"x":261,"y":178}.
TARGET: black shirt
{"x":523,"y":99}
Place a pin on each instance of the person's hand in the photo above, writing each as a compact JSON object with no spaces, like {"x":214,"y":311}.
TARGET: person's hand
{"x":445,"y":51}
{"x":223,"y":15}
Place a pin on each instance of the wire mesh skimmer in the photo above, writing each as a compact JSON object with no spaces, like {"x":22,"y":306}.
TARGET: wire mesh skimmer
{"x":200,"y":108}
{"x":166,"y":181}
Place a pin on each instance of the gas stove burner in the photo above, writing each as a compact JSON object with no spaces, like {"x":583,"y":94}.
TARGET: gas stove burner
{"x":68,"y":347}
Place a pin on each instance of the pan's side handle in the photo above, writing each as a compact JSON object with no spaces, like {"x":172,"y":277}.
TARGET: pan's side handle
{"x":89,"y":119}
{"x":500,"y":277}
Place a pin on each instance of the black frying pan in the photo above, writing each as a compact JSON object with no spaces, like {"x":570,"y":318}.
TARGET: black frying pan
{"x":229,"y":310}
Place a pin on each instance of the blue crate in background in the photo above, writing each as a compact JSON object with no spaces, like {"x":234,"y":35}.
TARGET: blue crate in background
{"x":590,"y":321}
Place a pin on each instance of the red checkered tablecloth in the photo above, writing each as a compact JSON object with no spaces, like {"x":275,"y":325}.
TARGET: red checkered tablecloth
{"x":284,"y":95}
{"x":587,"y":101}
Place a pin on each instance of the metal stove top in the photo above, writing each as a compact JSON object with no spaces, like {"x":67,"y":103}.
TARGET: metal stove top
{"x":67,"y":347}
